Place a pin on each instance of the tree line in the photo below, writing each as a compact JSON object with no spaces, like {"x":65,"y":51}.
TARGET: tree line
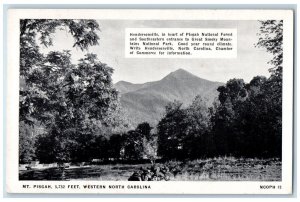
{"x":245,"y":121}
{"x":80,"y":117}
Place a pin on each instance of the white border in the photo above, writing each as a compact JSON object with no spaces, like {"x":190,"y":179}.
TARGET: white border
{"x":15,"y":186}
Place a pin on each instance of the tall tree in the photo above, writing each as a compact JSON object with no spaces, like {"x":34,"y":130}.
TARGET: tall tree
{"x":226,"y":118}
{"x":198,"y":142}
{"x":171,"y":132}
{"x":34,"y":66}
{"x":71,"y":100}
{"x":271,"y":38}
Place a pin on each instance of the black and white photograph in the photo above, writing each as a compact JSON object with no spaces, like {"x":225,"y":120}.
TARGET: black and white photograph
{"x":164,"y":100}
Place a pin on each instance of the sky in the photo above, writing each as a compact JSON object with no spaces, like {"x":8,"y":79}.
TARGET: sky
{"x":250,"y":61}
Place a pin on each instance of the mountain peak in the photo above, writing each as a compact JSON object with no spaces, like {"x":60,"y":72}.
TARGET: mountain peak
{"x":181,"y":74}
{"x":181,"y":71}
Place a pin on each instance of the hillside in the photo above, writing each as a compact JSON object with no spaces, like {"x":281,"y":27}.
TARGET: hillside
{"x":146,"y":102}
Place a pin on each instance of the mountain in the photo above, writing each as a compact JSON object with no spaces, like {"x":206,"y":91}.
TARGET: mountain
{"x":146,"y":102}
{"x":125,"y":87}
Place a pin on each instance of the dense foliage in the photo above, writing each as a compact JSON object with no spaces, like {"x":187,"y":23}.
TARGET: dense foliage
{"x":71,"y":101}
{"x":183,"y":132}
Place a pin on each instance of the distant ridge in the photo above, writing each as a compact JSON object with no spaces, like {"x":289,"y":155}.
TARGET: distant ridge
{"x":125,"y":87}
{"x":146,"y":102}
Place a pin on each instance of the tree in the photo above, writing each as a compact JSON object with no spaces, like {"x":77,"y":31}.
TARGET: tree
{"x":270,"y":38}
{"x":116,"y":146}
{"x":225,"y":121}
{"x":246,"y":121}
{"x":264,"y":118}
{"x":26,"y":143}
{"x":77,"y":99}
{"x":149,"y":141}
{"x":144,"y":129}
{"x":133,"y":145}
{"x":34,"y":65}
{"x":80,"y":102}
{"x":197,"y":142}
{"x":97,"y":147}
{"x":150,"y":147}
{"x":140,"y":143}
{"x":170,"y":130}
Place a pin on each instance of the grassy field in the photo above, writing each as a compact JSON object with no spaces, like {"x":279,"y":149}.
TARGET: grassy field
{"x":214,"y":169}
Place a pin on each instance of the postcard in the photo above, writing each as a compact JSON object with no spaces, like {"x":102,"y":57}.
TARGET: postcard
{"x":149,"y":101}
